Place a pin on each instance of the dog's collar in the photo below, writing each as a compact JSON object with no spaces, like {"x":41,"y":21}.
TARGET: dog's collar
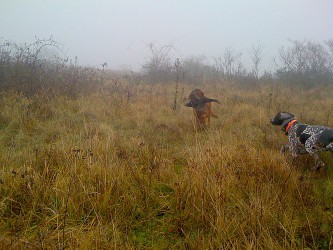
{"x":289,"y":124}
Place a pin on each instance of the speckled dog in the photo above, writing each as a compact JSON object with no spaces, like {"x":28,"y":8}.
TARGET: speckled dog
{"x":304,"y":138}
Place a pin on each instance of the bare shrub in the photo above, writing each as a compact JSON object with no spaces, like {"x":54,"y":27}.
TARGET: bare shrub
{"x":43,"y":66}
{"x":159,"y":67}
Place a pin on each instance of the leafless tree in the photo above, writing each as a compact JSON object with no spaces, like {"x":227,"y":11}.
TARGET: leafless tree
{"x":230,"y":64}
{"x":256,"y":54}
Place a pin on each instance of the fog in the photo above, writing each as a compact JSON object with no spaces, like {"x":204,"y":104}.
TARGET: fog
{"x":118,"y":32}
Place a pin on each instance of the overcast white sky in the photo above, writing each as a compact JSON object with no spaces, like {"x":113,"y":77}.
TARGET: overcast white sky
{"x":117,"y":31}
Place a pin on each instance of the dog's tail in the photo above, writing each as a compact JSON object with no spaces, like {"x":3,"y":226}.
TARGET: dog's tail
{"x":326,"y":139}
{"x":329,"y":147}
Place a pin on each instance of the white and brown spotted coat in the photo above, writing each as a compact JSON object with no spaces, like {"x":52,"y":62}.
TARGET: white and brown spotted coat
{"x":304,"y":138}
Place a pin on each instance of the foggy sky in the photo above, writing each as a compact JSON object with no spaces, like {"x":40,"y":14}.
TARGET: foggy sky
{"x":117,"y":32}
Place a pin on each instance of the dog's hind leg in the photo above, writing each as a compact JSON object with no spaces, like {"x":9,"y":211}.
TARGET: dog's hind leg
{"x":213,"y":115}
{"x":318,"y":162}
{"x":311,"y":149}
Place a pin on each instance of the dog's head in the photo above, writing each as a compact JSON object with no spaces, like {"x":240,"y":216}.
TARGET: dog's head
{"x":196,"y":94}
{"x":281,"y":117}
{"x":195,"y":98}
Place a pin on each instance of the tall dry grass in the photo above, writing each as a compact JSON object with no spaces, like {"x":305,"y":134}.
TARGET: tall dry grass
{"x":98,"y":172}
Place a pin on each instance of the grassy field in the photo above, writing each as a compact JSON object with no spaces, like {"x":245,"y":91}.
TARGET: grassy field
{"x":101,"y":171}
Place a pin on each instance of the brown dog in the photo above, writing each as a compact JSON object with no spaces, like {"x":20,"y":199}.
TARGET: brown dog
{"x":201,"y":107}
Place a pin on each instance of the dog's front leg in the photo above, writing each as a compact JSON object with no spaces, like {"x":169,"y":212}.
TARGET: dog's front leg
{"x":293,"y":143}
{"x":284,"y":148}
{"x":287,"y":147}
{"x":301,"y":149}
{"x":292,"y":146}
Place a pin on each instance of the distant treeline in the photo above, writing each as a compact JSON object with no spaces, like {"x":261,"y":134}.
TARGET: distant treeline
{"x":303,"y":62}
{"x":29,"y":69}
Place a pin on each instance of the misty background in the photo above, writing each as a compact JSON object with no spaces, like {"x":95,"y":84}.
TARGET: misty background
{"x":119,"y":32}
